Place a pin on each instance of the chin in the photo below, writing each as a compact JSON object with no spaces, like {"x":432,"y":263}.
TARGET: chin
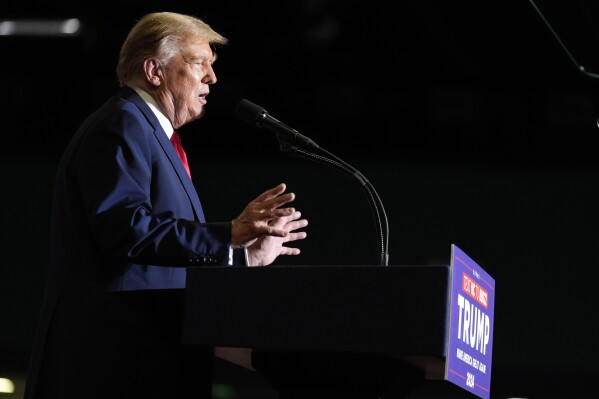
{"x":200,"y":113}
{"x":195,"y":116}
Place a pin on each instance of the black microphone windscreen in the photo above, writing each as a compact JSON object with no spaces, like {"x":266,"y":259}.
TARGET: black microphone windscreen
{"x":248,"y":111}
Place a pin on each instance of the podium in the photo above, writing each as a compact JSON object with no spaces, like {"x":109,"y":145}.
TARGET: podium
{"x":324,"y":331}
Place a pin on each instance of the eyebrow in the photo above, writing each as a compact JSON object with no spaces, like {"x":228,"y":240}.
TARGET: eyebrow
{"x":203,"y":57}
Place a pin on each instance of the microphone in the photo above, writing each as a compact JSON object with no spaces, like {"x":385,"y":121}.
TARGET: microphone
{"x":258,"y":116}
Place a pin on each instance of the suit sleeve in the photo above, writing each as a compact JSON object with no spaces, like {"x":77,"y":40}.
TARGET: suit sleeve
{"x":135,"y":203}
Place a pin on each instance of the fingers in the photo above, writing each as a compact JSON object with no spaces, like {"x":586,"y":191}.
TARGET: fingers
{"x":276,"y":202}
{"x":273,"y":192}
{"x":265,"y":217}
{"x":289,"y":224}
{"x":296,"y":224}
{"x":271,"y":231}
{"x":270,"y":209}
{"x":281,"y":213}
{"x":269,"y":219}
{"x":274,"y":198}
{"x":290,"y":251}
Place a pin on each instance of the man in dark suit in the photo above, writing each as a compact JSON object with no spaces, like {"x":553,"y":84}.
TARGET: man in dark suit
{"x":126,"y":223}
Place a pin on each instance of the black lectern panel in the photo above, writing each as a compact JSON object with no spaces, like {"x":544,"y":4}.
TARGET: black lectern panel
{"x":386,"y":310}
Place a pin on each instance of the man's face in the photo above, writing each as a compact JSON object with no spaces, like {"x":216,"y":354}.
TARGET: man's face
{"x":186,"y":82}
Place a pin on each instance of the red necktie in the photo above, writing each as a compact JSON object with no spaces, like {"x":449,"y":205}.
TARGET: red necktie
{"x":176,"y":140}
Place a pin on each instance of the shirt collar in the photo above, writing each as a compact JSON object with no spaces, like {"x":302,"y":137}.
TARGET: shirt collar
{"x":164,"y":121}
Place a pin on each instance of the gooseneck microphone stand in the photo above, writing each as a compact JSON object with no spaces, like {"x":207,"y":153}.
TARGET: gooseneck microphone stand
{"x":376,"y":205}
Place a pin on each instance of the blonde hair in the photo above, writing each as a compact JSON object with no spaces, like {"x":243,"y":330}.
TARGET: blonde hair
{"x":158,"y":35}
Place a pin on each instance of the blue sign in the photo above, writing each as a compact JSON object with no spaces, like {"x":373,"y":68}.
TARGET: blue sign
{"x":470,"y":333}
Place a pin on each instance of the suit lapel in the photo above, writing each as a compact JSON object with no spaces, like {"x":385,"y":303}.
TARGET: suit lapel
{"x":160,"y":135}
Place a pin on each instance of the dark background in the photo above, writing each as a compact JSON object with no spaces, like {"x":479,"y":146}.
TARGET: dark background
{"x":469,"y":118}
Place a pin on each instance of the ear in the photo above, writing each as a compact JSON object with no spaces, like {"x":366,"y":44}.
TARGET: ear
{"x":153,"y":71}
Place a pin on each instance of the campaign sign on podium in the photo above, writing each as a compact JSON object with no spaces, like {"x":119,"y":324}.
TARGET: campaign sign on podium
{"x":470,"y":333}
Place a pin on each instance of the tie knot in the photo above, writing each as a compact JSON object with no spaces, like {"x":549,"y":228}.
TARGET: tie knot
{"x":175,"y":138}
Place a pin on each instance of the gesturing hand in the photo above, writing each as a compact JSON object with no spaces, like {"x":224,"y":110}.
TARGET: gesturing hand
{"x":264,"y":219}
{"x":267,"y":248}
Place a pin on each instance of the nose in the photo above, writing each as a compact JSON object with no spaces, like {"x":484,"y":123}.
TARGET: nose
{"x":210,"y":77}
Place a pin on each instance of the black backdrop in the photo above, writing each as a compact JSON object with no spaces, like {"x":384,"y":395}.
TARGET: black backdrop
{"x":470,"y":119}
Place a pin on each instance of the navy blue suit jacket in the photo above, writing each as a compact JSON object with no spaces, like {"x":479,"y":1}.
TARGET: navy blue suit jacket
{"x":126,"y":218}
